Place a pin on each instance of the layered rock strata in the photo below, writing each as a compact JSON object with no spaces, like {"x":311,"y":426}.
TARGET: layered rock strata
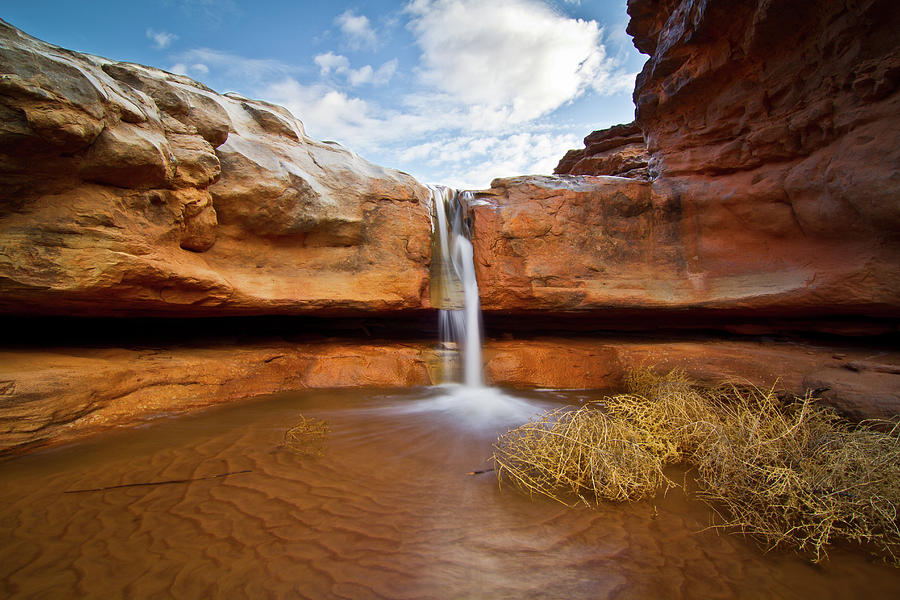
{"x":771,"y":193}
{"x":772,"y":130}
{"x":51,"y":395}
{"x":775,"y":123}
{"x":619,"y":151}
{"x":128,"y":190}
{"x":587,"y":244}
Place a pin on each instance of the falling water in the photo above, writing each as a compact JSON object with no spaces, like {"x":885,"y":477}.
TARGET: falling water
{"x":454,"y":291}
{"x":454,"y":287}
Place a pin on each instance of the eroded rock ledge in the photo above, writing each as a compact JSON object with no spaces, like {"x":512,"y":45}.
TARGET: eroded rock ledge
{"x":57,"y":394}
{"x":128,"y":190}
{"x":589,"y":244}
{"x":619,"y":150}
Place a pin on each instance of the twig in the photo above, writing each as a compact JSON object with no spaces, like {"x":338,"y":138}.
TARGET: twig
{"x":480,"y":472}
{"x":127,"y":485}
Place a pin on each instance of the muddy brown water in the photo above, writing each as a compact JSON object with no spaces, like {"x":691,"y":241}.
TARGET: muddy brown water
{"x":388,"y":511}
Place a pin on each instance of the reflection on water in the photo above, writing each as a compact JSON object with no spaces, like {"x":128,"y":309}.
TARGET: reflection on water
{"x":387,"y":512}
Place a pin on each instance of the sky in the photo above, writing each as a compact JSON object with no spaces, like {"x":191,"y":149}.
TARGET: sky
{"x":455,"y":92}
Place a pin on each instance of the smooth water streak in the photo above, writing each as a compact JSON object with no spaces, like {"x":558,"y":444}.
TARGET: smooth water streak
{"x":460,"y":310}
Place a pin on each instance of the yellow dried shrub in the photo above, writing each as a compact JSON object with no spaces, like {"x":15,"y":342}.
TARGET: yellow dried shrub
{"x":791,"y":473}
{"x":307,"y":436}
{"x":580,"y":454}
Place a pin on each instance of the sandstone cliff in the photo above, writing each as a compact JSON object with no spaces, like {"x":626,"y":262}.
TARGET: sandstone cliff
{"x":128,"y":190}
{"x":769,"y":198}
{"x":772,"y":129}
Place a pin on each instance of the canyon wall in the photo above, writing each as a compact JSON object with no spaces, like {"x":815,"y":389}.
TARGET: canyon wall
{"x":757,"y":192}
{"x":774,"y":174}
{"x":771,"y":187}
{"x":126,"y":190}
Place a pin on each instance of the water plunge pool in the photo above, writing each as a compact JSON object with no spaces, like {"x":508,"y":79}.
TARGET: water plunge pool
{"x":387,"y":511}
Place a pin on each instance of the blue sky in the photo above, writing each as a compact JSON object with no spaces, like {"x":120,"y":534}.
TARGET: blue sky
{"x":452,"y":91}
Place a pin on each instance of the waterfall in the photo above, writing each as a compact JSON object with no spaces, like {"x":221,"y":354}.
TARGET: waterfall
{"x":454,"y":289}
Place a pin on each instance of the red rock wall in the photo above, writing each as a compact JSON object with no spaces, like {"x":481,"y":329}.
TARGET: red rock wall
{"x":778,"y":120}
{"x":773,"y":130}
{"x":619,"y":151}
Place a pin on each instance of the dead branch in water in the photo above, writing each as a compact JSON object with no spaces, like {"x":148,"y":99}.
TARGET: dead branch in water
{"x":149,"y":483}
{"x":481,"y":472}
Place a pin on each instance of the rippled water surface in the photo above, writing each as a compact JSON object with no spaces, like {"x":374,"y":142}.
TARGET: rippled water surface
{"x":388,"y":511}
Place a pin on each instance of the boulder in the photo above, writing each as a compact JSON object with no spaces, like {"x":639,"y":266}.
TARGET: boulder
{"x":129,"y":156}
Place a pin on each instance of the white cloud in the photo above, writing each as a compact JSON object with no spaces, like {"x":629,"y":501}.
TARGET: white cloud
{"x":340,"y":65}
{"x":367,"y":74}
{"x":331,"y":61}
{"x":476,"y":160}
{"x":232,"y":67}
{"x":331,"y":114}
{"x":489,"y":78}
{"x":361,"y":75}
{"x":161,"y":39}
{"x":194,"y":70}
{"x":512,"y":60}
{"x":446,"y":151}
{"x":357,"y":29}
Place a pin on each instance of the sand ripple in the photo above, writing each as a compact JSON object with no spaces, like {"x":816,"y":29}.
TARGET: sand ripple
{"x":386,"y":512}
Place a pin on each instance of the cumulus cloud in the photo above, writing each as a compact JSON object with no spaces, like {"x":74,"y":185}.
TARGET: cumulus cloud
{"x":489,"y":75}
{"x":331,"y":62}
{"x":353,"y":121}
{"x":340,"y":65}
{"x":367,"y":74}
{"x":161,"y":39}
{"x":357,"y":29}
{"x":331,"y":114}
{"x":446,"y":149}
{"x":513,"y":60}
